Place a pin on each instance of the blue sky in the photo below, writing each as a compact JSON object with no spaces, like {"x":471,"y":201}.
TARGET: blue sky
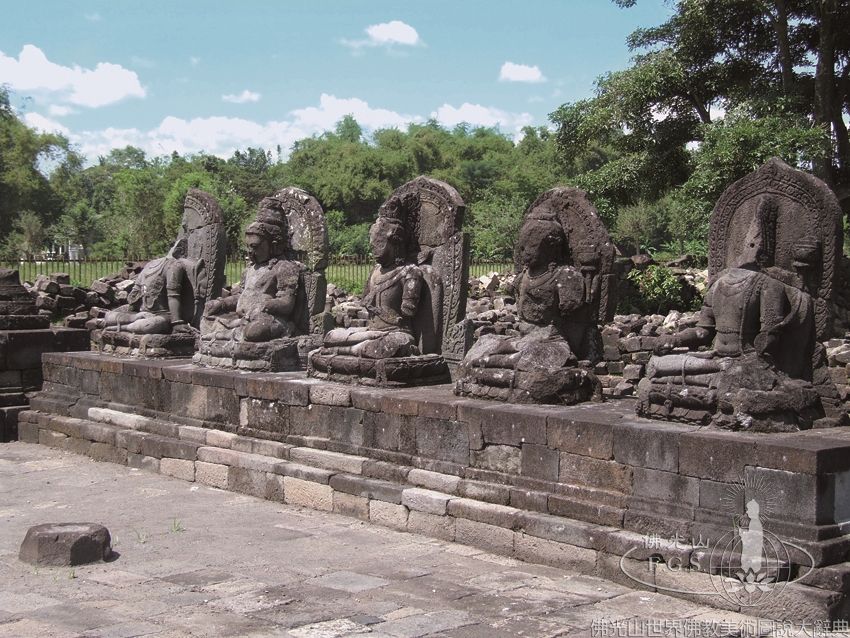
{"x":216,"y":75}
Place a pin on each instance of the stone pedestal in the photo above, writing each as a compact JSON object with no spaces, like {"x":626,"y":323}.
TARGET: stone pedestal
{"x":128,"y":344}
{"x":277,"y":355}
{"x":592,"y":487}
{"x":395,"y":372}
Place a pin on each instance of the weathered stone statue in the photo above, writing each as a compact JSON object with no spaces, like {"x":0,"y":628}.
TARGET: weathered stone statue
{"x":275,"y":315}
{"x":564,"y":289}
{"x":165,"y":305}
{"x":775,"y":237}
{"x":416,"y":295}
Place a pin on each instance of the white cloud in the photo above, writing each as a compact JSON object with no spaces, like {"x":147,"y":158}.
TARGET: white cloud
{"x":45,"y":124}
{"x":394,"y":32}
{"x":387,"y":34}
{"x":534,"y":99}
{"x":194,"y":60}
{"x":332,"y":109}
{"x":241,"y":98}
{"x":478,"y":115}
{"x":511,"y":72}
{"x":94,"y":17}
{"x":32,"y":72}
{"x":223,"y":135}
{"x":59,"y":110}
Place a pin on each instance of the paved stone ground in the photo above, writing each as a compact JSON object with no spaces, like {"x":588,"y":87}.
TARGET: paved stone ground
{"x":197,"y":561}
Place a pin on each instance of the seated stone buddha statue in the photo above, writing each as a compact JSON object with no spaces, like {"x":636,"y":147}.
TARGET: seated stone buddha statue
{"x":391,"y":296}
{"x":557,"y":326}
{"x":256,"y":327}
{"x":415,"y":295}
{"x":753,"y":361}
{"x":165,"y":304}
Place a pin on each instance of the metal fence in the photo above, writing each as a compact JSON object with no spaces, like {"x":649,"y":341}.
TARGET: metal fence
{"x":348,"y":273}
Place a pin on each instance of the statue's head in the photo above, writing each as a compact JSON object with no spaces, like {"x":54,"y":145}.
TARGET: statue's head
{"x":541,"y":242}
{"x":267,"y":236}
{"x":760,"y":241}
{"x":387,"y":238}
{"x":753,"y":508}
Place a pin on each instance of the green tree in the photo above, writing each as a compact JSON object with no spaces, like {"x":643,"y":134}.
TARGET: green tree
{"x":778,"y":68}
{"x":28,"y":236}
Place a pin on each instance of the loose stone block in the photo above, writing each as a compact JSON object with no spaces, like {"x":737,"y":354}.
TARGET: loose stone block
{"x":425,"y":501}
{"x":178,"y":468}
{"x":388,"y":514}
{"x":442,"y":527}
{"x":66,"y":544}
{"x":212,"y":474}
{"x":308,"y":494}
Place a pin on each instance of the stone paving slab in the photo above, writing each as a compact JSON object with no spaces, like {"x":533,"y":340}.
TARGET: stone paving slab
{"x":198,"y":561}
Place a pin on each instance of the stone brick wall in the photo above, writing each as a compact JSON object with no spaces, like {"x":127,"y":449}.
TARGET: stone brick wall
{"x":576,"y":486}
{"x":20,"y":368}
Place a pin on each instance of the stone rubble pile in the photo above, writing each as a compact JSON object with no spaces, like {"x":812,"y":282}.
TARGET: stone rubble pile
{"x":107,"y":292}
{"x":628,"y":343}
{"x":347,"y":310}
{"x":55,"y":297}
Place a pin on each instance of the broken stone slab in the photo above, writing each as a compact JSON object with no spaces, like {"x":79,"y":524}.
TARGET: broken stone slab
{"x":66,"y":544}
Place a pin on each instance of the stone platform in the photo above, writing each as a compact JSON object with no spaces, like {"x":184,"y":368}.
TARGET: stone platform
{"x":142,"y":346}
{"x":591,"y":487}
{"x":20,"y":363}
